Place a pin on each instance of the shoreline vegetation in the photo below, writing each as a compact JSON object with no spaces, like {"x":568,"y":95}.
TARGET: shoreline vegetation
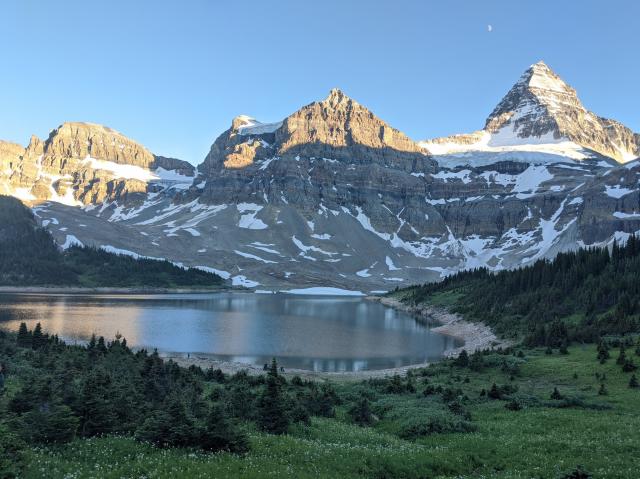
{"x":72,"y":410}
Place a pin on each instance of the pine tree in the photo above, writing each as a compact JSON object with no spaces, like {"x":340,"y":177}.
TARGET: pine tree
{"x":220,"y":435}
{"x":603,"y":351}
{"x":622,"y":356}
{"x":494,"y":392}
{"x":476,"y":363}
{"x":603,"y":390}
{"x":462,"y":360}
{"x":96,"y":408}
{"x":272,"y":416}
{"x":628,"y":366}
{"x":556,"y":394}
{"x":633,"y":382}
{"x":24,"y":336}
{"x":360,"y":412}
{"x":38,"y":339}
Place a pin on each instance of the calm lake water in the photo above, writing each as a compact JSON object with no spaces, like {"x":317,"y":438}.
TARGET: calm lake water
{"x":310,"y":332}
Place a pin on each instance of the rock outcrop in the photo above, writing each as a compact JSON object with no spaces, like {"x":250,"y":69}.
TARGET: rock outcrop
{"x":334,"y":196}
{"x":542,"y":107}
{"x":84,"y":163}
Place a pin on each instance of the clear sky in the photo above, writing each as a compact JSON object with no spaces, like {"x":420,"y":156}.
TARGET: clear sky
{"x":173,"y":74}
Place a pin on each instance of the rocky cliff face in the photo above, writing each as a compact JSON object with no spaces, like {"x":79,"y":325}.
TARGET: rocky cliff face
{"x":83,"y":163}
{"x":334,"y":196}
{"x":542,"y":107}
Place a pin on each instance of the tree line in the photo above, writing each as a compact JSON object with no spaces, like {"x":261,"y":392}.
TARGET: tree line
{"x":29,"y":257}
{"x":578,"y":296}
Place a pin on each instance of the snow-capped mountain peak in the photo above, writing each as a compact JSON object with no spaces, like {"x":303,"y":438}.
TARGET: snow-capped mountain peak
{"x":542,"y":113}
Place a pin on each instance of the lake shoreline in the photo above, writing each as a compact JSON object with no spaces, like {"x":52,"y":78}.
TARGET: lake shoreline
{"x":475,"y":336}
{"x":112,"y":290}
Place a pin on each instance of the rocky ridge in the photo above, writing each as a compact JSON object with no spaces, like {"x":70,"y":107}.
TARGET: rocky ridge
{"x":334,"y":196}
{"x":82,"y":164}
{"x":542,"y":109}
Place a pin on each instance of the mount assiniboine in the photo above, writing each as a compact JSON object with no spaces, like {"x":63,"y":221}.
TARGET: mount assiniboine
{"x":333,"y":196}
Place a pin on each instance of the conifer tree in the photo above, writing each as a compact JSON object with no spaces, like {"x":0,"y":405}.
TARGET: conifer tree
{"x":272,"y":416}
{"x":628,"y":366}
{"x":24,"y":336}
{"x":360,"y":412}
{"x":603,"y":351}
{"x":494,"y":392}
{"x":633,"y":382}
{"x":37,"y":338}
{"x":622,"y":356}
{"x":462,"y":360}
{"x":220,"y":435}
{"x":603,"y":390}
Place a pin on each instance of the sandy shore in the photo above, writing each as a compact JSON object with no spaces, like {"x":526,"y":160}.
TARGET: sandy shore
{"x":476,"y":336}
{"x":229,"y":367}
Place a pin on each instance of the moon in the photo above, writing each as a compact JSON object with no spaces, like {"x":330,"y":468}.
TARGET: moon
{"x":489,"y":28}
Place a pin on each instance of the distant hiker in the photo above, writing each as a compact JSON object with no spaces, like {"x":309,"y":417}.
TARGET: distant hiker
{"x":281,"y":369}
{"x":188,"y":355}
{"x":1,"y":378}
{"x":265,"y":367}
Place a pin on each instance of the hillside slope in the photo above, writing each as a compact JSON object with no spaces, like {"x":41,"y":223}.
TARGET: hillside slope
{"x":581,"y":295}
{"x":29,"y":256}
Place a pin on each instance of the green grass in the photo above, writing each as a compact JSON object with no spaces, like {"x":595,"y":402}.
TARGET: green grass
{"x":539,"y":441}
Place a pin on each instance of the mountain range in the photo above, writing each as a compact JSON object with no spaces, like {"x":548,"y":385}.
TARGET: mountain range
{"x":333,"y":196}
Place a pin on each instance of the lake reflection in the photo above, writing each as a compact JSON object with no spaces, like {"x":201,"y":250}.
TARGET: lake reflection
{"x":310,"y":332}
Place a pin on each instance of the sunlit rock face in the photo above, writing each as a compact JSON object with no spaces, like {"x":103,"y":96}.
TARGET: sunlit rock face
{"x":542,"y":107}
{"x":334,"y":196}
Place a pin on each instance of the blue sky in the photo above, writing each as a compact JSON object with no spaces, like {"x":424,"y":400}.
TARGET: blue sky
{"x":172,"y":74}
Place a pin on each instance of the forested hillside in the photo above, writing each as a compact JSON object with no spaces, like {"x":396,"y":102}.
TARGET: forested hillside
{"x":580,"y":295}
{"x":29,"y":257}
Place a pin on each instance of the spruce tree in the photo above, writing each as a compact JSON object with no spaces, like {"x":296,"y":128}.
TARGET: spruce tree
{"x":96,"y":408}
{"x":38,"y":339}
{"x":633,"y":382}
{"x":603,"y":351}
{"x":24,"y":336}
{"x":272,"y":416}
{"x":556,"y":394}
{"x":494,"y":392}
{"x":628,"y":366}
{"x":462,"y":360}
{"x":360,"y":412}
{"x":622,"y":356}
{"x":603,"y":390}
{"x":220,"y":435}
{"x":476,"y":363}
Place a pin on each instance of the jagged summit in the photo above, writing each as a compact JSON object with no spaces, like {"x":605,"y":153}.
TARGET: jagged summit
{"x":336,"y":98}
{"x":541,"y":112}
{"x":336,"y":127}
{"x":530,"y":105}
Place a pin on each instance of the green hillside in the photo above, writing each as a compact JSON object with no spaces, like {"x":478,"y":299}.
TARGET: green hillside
{"x":579,"y":296}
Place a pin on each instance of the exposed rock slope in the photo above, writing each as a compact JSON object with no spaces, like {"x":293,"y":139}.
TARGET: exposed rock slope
{"x":541,"y":109}
{"x":334,"y":196}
